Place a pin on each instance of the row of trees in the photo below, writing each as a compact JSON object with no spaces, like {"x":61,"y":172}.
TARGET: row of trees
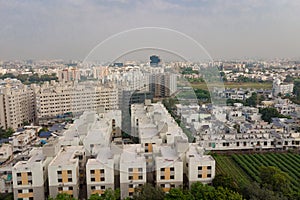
{"x":147,"y":191}
{"x":28,"y":79}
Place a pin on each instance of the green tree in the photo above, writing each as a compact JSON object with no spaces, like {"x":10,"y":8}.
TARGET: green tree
{"x":252,"y":101}
{"x":275,"y":179}
{"x":147,"y":191}
{"x":223,"y":180}
{"x":288,"y":79}
{"x":296,"y":89}
{"x":108,"y":194}
{"x":62,"y":197}
{"x":269,"y":113}
{"x":255,"y":192}
{"x":178,"y":193}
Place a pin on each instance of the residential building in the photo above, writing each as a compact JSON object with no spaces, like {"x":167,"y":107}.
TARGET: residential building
{"x":17,"y":104}
{"x":100,"y":172}
{"x":66,"y":171}
{"x":30,"y":177}
{"x":132,"y":169}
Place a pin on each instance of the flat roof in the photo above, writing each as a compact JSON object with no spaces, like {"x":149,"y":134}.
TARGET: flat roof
{"x":66,"y":155}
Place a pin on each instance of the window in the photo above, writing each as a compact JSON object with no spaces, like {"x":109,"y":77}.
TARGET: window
{"x":162,"y":177}
{"x":19,"y":183}
{"x":102,"y":187}
{"x":200,"y":168}
{"x":30,"y":198}
{"x":69,"y":171}
{"x":162,"y":185}
{"x":92,"y":179}
{"x":70,"y":188}
{"x":172,"y":186}
{"x":208,"y":175}
{"x":30,"y":182}
{"x":60,"y":188}
{"x":172,"y":177}
{"x":20,"y":191}
{"x":130,"y":193}
{"x":130,"y":177}
{"x":208,"y":167}
{"x":102,"y":171}
{"x":162,"y":169}
{"x":130,"y":169}
{"x":18,"y":174}
{"x":69,"y":179}
{"x":172,"y":169}
{"x":29,"y":174}
{"x":59,"y":180}
{"x":102,"y":179}
{"x":199,"y":175}
{"x":93,"y":187}
{"x":92,"y":171}
{"x":140,"y":177}
{"x":130,"y":186}
{"x":30,"y":190}
{"x":58,"y":172}
{"x":140,"y":169}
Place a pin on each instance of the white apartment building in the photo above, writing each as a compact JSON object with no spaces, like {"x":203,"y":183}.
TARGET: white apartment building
{"x":5,"y":152}
{"x":282,"y":88}
{"x":132,"y":169}
{"x":168,"y":168}
{"x":22,"y":139}
{"x":65,"y":171}
{"x":100,"y":172}
{"x":56,"y":99}
{"x":30,"y":177}
{"x":199,"y":167}
{"x":17,"y":104}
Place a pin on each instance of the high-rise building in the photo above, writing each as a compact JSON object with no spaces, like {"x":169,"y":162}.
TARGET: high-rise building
{"x":163,"y":84}
{"x":154,"y":60}
{"x":57,"y":99}
{"x":68,"y":74}
{"x":17,"y":104}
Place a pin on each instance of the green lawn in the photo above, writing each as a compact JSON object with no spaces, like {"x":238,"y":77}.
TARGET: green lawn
{"x":237,"y":85}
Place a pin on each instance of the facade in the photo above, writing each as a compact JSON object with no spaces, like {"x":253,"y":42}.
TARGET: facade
{"x":17,"y":104}
{"x":199,"y":167}
{"x":168,"y":168}
{"x":163,"y":85}
{"x":132,"y":170}
{"x":68,"y":74}
{"x":100,"y":172}
{"x":56,"y":99}
{"x":282,"y":88}
{"x":29,"y":177}
{"x":5,"y":152}
{"x":65,"y":171}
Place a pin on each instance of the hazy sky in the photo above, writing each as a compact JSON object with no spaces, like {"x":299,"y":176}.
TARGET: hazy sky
{"x":69,"y":29}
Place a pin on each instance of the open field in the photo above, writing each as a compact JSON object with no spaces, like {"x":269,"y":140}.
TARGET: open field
{"x":244,"y":168}
{"x":252,"y":85}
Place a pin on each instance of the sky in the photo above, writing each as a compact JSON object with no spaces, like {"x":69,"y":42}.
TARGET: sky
{"x":227,"y":29}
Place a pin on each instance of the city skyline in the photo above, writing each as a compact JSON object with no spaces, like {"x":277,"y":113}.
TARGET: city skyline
{"x":71,"y":29}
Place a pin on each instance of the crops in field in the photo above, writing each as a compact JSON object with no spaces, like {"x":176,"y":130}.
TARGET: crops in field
{"x":245,"y":167}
